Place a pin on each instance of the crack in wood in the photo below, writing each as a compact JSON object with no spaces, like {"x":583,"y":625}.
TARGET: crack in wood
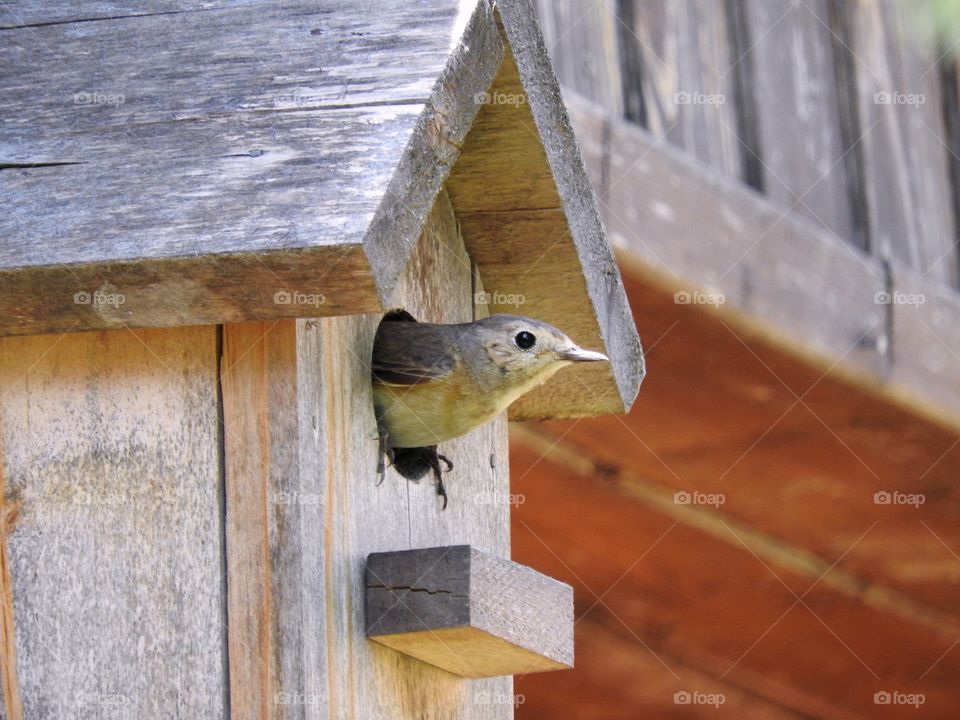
{"x":27,"y":166}
{"x":409,"y":588}
{"x":48,"y":23}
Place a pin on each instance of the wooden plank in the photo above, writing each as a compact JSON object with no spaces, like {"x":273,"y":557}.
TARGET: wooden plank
{"x":10,"y":706}
{"x":683,"y":63}
{"x":269,"y":149}
{"x":905,"y":145}
{"x":806,"y":471}
{"x":787,"y":54}
{"x":468,"y":612}
{"x":567,"y":247}
{"x":660,"y":583}
{"x":306,"y":509}
{"x":773,"y":277}
{"x":926,"y":341}
{"x":33,"y":14}
{"x":581,"y":37}
{"x":110,"y":444}
{"x":616,"y":678}
{"x":255,"y":370}
{"x":789,"y":281}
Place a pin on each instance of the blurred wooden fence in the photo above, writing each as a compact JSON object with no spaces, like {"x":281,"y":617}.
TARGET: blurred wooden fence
{"x":839,"y":111}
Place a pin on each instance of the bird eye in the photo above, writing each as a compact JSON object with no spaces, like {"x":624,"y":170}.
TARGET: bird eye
{"x":525,"y":340}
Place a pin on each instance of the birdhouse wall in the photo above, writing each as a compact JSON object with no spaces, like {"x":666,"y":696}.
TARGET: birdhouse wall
{"x":194,"y":507}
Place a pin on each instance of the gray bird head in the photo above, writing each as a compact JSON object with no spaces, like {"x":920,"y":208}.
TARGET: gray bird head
{"x":521,"y":353}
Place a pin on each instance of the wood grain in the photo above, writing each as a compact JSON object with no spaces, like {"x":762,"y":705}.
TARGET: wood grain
{"x":774,"y":276}
{"x":581,"y":37}
{"x":304,"y":509}
{"x":683,"y":62}
{"x":10,"y":708}
{"x":794,"y":96}
{"x":310,"y":158}
{"x":110,"y":444}
{"x":728,"y":420}
{"x":786,"y":278}
{"x":905,"y":144}
{"x":714,"y":608}
{"x":470,"y":613}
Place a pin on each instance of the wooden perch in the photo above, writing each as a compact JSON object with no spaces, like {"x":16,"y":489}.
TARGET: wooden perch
{"x":468,"y":612}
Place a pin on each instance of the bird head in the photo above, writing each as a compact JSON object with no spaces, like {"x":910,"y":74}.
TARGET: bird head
{"x":520,"y":353}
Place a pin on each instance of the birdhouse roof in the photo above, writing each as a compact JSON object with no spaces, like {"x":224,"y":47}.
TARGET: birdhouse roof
{"x":258,"y":162}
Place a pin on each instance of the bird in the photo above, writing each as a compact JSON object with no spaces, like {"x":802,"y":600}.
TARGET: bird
{"x":435,"y":382}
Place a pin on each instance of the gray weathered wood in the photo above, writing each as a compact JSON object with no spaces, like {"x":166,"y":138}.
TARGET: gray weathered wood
{"x":790,"y":55}
{"x":905,"y":143}
{"x":318,"y":144}
{"x":926,"y":344}
{"x":110,"y":446}
{"x":684,"y":70}
{"x":293,"y":180}
{"x":693,"y":229}
{"x":304,"y":509}
{"x":581,"y":37}
{"x":779,"y":277}
{"x":471,"y":613}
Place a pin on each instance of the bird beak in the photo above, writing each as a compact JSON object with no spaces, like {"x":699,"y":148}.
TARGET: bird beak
{"x":578,"y":354}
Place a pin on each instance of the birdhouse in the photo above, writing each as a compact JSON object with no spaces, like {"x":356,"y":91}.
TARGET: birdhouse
{"x":208,"y":212}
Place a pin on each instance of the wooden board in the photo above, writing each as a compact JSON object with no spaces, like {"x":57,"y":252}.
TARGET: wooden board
{"x":691,"y":230}
{"x":785,"y":59}
{"x":304,"y":509}
{"x":769,"y":275}
{"x":693,"y":589}
{"x":471,"y":613}
{"x":290,"y":160}
{"x":728,"y":420}
{"x":10,"y":706}
{"x":623,"y":681}
{"x":115,"y":558}
{"x":926,"y":341}
{"x":905,"y":146}
{"x":581,"y":37}
{"x":682,"y":62}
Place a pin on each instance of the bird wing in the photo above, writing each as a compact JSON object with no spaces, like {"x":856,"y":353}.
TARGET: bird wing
{"x":407,"y":353}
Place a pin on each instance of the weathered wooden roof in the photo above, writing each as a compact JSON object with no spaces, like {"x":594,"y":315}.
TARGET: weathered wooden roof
{"x":204,"y":164}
